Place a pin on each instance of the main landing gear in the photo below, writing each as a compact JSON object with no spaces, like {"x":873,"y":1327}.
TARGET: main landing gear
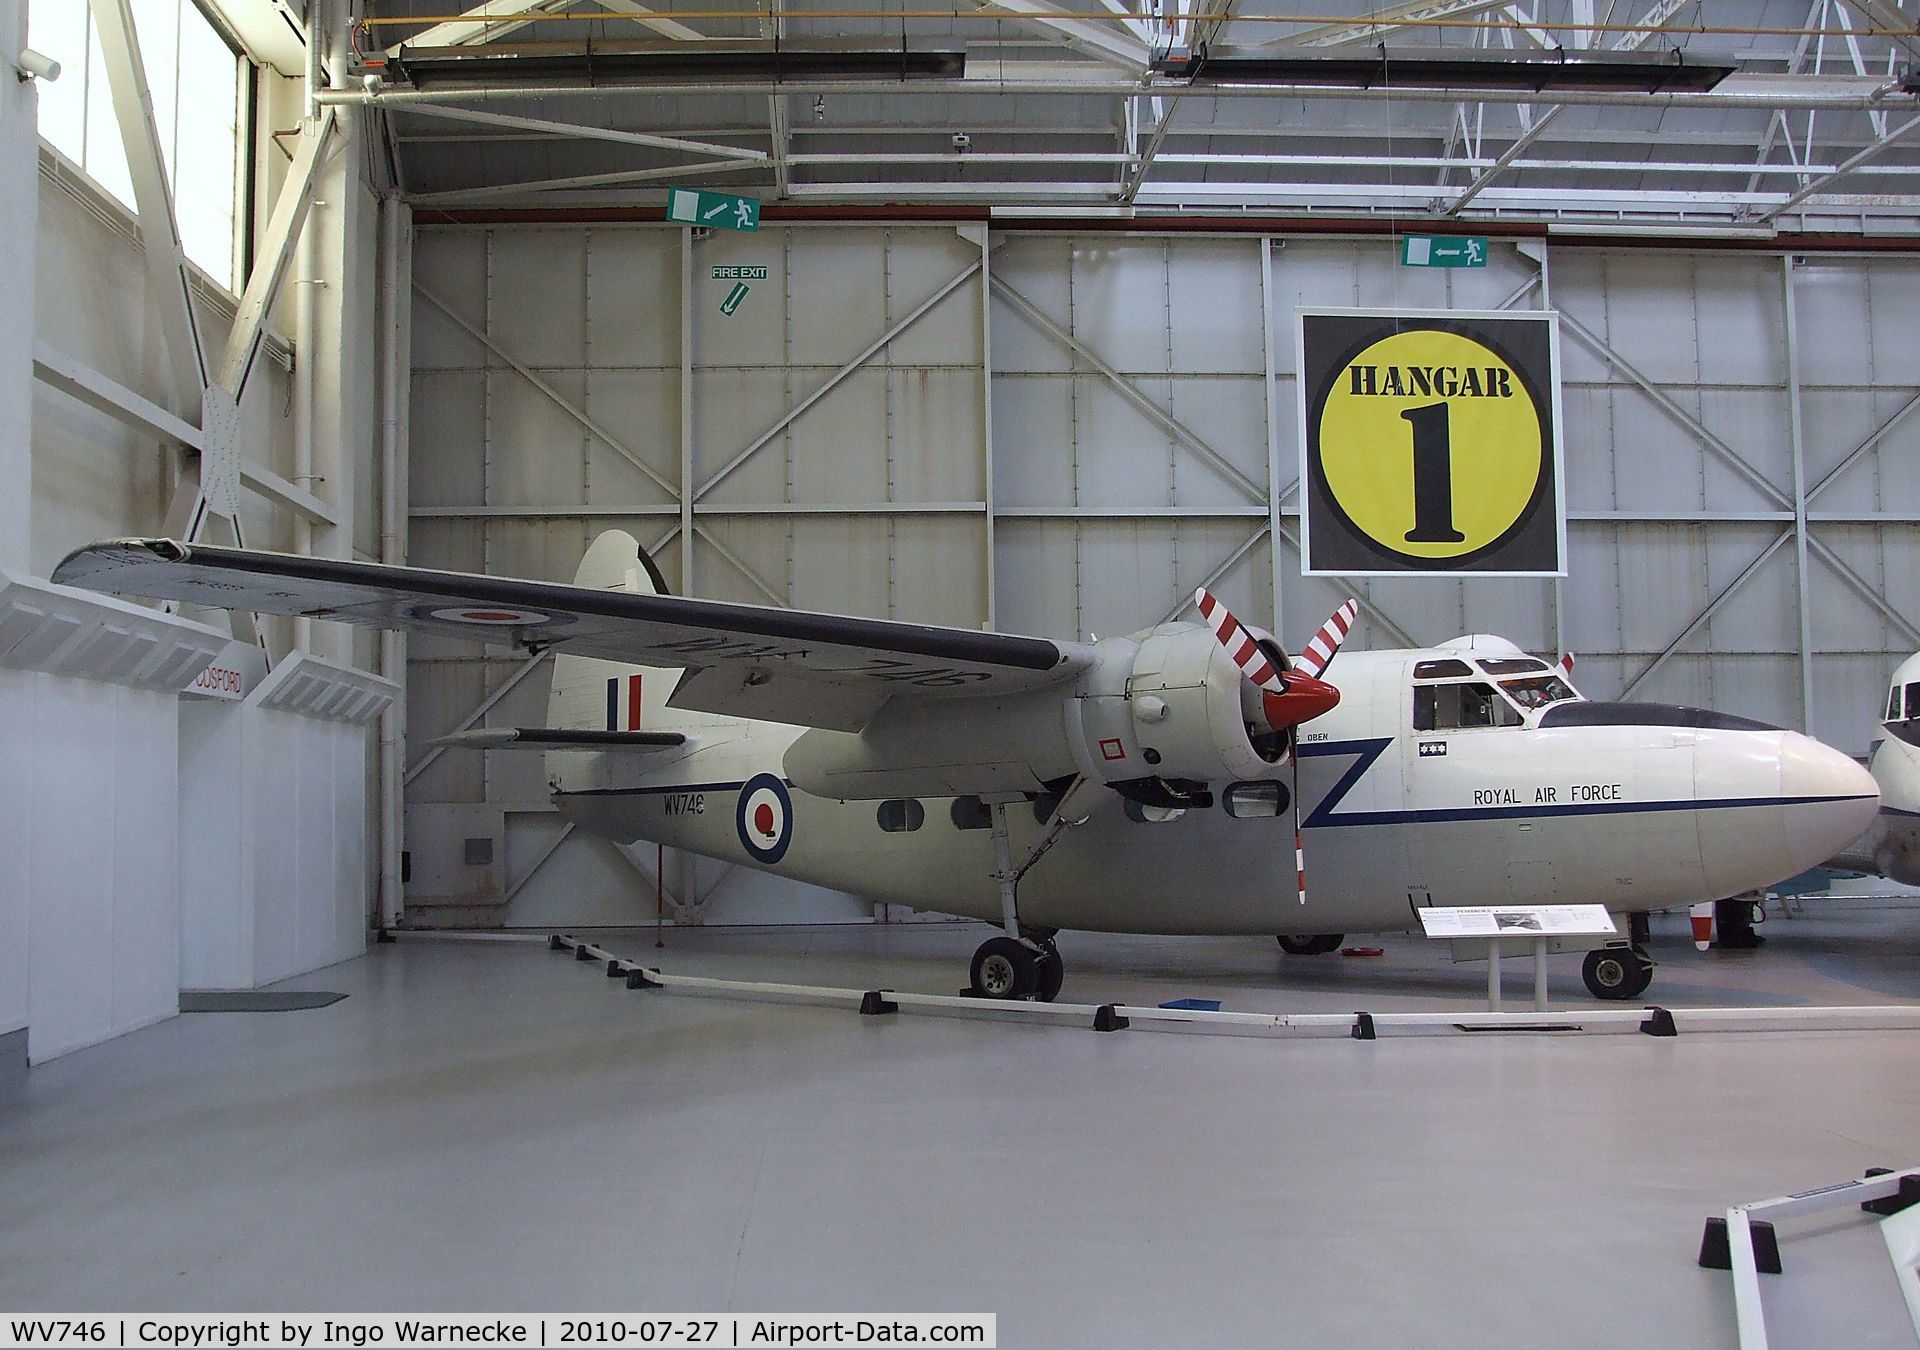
{"x":1023,"y":962}
{"x":1311,"y":944}
{"x":1617,"y":972}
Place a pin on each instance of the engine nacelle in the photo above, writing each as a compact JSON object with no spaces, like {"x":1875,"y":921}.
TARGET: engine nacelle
{"x":1179,"y":710}
{"x":1165,"y":706}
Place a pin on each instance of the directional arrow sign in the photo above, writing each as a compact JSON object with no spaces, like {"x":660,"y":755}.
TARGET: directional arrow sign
{"x":1426,"y":250}
{"x":713,"y":210}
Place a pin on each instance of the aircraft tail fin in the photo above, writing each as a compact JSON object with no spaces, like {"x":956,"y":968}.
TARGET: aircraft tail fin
{"x":590,"y":694}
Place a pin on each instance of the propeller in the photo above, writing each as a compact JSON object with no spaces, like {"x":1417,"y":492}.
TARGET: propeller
{"x":1566,"y":664}
{"x":1293,"y":694}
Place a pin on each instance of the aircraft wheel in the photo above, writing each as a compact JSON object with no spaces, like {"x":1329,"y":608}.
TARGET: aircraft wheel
{"x":1004,"y":968}
{"x":1617,"y":972}
{"x":1311,"y":944}
{"x":1052,"y":974}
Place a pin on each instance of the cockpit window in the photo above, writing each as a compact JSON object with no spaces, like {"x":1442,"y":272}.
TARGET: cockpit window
{"x":1441,"y":670}
{"x":1449,"y":707}
{"x":1913,"y":701}
{"x":1512,"y":665}
{"x":1538,"y":691}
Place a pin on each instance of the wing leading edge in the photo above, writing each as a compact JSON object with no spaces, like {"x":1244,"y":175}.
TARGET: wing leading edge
{"x":795,"y":666}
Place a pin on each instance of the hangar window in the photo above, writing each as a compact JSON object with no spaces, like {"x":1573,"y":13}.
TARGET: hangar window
{"x":1254,"y":801}
{"x":1451,"y":707}
{"x":194,"y":79}
{"x":902,"y":815}
{"x":970,"y":813}
{"x":1441,"y":670}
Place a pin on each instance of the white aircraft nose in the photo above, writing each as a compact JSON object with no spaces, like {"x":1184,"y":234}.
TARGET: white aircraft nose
{"x":1829,"y":800}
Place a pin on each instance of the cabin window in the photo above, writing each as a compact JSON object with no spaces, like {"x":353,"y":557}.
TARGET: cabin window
{"x":1538,"y":691}
{"x":970,"y":813}
{"x":1512,"y":665}
{"x":902,"y":815}
{"x":1254,"y":801}
{"x":1441,"y":670}
{"x":1451,"y":707}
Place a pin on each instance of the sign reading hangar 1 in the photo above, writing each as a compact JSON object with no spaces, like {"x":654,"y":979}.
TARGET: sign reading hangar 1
{"x":1430,"y":443}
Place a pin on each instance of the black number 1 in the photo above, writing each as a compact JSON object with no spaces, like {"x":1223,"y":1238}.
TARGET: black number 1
{"x":1432,"y":477}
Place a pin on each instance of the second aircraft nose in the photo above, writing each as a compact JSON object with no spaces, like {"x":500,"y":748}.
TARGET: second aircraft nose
{"x":1828,"y":800}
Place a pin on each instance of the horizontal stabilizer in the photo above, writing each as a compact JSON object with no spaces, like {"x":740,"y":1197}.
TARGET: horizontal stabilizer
{"x":559,"y":738}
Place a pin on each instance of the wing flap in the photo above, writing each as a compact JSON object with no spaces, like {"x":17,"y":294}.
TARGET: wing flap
{"x":795,"y":666}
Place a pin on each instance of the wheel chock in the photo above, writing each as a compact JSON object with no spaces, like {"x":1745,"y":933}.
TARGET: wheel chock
{"x":385,"y":936}
{"x":1659,"y":1023}
{"x":875,"y":1003}
{"x":1107,"y":1018}
{"x":556,"y":943}
{"x":1715,"y":1254}
{"x":1363,"y":1027}
{"x":583,"y":953}
{"x":637,"y":979}
{"x":1907,"y":1197}
{"x":615,"y":966}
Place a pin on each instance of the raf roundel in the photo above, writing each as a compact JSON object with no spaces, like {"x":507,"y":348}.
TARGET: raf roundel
{"x":484,"y":616}
{"x":764,"y":818}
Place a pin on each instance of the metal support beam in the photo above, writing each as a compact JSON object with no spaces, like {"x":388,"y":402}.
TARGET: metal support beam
{"x":577,"y":414}
{"x":1382,"y":22}
{"x":1102,"y":41}
{"x":276,"y":254}
{"x":793,"y":414}
{"x":1701,"y":618}
{"x":699,"y":168}
{"x":169,"y":285}
{"x":1861,"y":587}
{"x":1865,"y":447}
{"x":1666,"y":404}
{"x":1796,"y":443}
{"x":1132,"y":392}
{"x":1270,"y":403}
{"x":584,"y":131}
{"x":1502,"y":164}
{"x":685,"y":491}
{"x":1212,"y":579}
{"x":1890,"y":22}
{"x":506,"y":686}
{"x":1845,"y":167}
{"x":1366,"y":602}
{"x":742,"y":566}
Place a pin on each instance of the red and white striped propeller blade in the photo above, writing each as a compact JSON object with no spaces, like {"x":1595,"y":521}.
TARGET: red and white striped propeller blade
{"x":1326,"y":642}
{"x":1240,"y":644}
{"x":1566,"y":664}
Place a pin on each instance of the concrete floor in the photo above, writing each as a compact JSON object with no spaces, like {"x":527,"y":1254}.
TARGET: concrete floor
{"x":493,"y":1127}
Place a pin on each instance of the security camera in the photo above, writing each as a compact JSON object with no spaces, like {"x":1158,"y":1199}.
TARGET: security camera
{"x":34,"y":65}
{"x":962,"y":142}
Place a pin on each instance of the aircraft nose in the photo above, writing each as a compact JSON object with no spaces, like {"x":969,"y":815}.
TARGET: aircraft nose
{"x":1829,"y":800}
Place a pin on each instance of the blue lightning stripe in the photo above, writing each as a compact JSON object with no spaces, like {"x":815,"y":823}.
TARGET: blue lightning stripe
{"x":1367,"y":751}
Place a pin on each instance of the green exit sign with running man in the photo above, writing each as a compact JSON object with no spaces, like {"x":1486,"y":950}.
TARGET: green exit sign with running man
{"x":1429,"y":250}
{"x":713,"y":210}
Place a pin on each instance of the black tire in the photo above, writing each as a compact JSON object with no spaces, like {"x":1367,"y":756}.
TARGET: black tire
{"x":1311,"y":944}
{"x":1052,"y":974}
{"x":1617,"y":973}
{"x":1004,"y":969}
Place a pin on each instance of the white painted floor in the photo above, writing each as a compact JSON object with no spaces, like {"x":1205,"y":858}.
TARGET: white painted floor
{"x":494,"y":1127}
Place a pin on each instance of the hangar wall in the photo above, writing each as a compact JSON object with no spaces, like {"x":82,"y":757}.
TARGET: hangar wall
{"x":110,"y":875}
{"x":1734,"y":423}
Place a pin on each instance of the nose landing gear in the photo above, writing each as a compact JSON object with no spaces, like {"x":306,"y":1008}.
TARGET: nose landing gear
{"x":1617,"y":973}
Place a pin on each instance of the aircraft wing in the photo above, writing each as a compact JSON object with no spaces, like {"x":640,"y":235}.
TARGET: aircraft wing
{"x":809,"y":669}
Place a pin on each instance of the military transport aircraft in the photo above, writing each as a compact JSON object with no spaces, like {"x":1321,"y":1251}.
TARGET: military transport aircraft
{"x":1891,"y":846}
{"x":1142,"y":784}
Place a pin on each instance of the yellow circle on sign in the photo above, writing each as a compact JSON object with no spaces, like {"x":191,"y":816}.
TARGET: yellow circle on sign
{"x":1431,"y":444}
